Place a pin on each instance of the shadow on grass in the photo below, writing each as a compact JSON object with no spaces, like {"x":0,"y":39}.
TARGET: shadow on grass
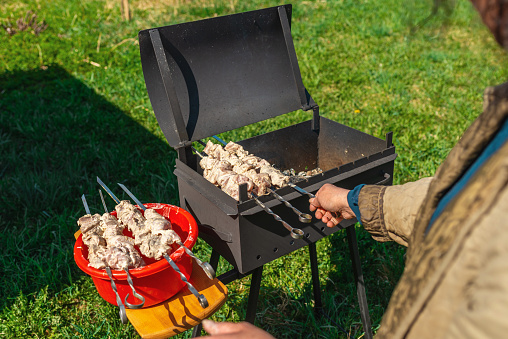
{"x":56,"y":136}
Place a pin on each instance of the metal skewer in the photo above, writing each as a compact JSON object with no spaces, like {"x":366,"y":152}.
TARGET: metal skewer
{"x":301,"y":190}
{"x":106,"y":188}
{"x":201,"y":298}
{"x":304,"y":192}
{"x":209,"y":271}
{"x":303,"y":217}
{"x":219,"y":140}
{"x":296,"y":233}
{"x":129,"y":278}
{"x":122,"y":312}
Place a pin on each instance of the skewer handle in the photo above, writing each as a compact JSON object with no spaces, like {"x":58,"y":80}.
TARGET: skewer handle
{"x":303,"y":217}
{"x":296,"y":233}
{"x":201,"y":298}
{"x":123,"y":313}
{"x":207,"y":268}
{"x":134,"y":293}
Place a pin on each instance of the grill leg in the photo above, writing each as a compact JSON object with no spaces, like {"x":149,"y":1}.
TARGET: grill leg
{"x":360,"y":284}
{"x":214,"y":259}
{"x":196,"y":331}
{"x":318,"y":304}
{"x":254,"y":295}
{"x":214,"y":262}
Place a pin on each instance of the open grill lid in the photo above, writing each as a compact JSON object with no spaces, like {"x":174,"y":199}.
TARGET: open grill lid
{"x":215,"y":75}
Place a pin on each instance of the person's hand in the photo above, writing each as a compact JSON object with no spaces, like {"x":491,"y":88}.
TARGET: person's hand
{"x":331,"y":205}
{"x":227,"y":330}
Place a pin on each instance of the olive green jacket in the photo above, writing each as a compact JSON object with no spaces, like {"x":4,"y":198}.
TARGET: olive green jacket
{"x":455,"y":281}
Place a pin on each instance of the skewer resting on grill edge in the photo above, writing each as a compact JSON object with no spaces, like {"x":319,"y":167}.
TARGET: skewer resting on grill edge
{"x":296,"y":233}
{"x":129,"y":278}
{"x":122,"y":312}
{"x":209,"y":271}
{"x":211,"y":274}
{"x":304,"y":192}
{"x":301,"y":190}
{"x":303,"y":217}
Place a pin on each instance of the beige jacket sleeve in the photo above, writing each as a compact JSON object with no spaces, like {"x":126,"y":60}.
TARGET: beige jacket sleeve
{"x":388,"y":212}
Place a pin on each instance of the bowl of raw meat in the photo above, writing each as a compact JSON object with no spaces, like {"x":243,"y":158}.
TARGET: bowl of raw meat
{"x":135,"y":251}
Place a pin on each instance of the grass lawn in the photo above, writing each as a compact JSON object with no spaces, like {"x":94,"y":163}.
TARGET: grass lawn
{"x":73,"y":106}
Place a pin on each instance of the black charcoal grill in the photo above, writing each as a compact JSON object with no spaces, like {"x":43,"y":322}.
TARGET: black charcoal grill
{"x":215,"y":75}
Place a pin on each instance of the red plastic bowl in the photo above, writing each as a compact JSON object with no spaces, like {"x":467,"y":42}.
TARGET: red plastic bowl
{"x":156,"y":281}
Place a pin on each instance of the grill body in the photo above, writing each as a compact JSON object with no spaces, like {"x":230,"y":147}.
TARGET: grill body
{"x":248,"y":237}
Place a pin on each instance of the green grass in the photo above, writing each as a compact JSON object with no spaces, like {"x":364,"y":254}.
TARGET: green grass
{"x":73,"y":105}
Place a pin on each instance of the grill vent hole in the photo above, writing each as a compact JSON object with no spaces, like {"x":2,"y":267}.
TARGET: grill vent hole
{"x":322,"y":229}
{"x":307,"y":235}
{"x":258,"y":257}
{"x":292,"y":242}
{"x":275,"y":249}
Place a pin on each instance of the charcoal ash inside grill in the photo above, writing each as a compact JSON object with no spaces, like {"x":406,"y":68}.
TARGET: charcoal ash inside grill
{"x":302,"y":175}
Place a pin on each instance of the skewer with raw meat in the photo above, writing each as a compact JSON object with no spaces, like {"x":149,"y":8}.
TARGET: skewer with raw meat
{"x":243,"y":163}
{"x":153,"y":243}
{"x":88,"y":223}
{"x":156,"y":225}
{"x":249,"y":166}
{"x":108,"y":248}
{"x":121,"y":252}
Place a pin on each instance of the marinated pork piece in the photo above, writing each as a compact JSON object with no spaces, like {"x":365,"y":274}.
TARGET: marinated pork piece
{"x":242,"y":168}
{"x":162,"y":235}
{"x":261,"y":181}
{"x":123,"y":257}
{"x":278,"y":179}
{"x":236,"y":149}
{"x":96,"y":256}
{"x":110,"y":226}
{"x":213,"y":175}
{"x":131,"y":217}
{"x":92,"y":238}
{"x":120,"y":240}
{"x":152,"y":232}
{"x":216,"y":151}
{"x":154,"y":246}
{"x":89,"y":222}
{"x":231,"y":185}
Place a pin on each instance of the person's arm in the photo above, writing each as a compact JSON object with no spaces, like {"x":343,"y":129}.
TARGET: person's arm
{"x":387,"y":212}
